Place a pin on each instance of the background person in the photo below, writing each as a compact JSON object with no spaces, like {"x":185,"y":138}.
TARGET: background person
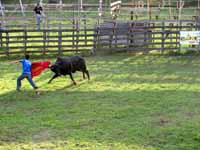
{"x":38,"y":14}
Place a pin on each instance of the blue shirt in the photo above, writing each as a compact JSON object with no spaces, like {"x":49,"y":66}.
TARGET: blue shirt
{"x":26,"y":66}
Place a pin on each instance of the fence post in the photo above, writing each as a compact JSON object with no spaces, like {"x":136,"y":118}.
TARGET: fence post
{"x":153,"y":28}
{"x":111,"y":37}
{"x":60,"y":40}
{"x":47,"y":34}
{"x":77,"y":35}
{"x":25,"y":41}
{"x":85,"y":30}
{"x":180,"y":27}
{"x":44,"y":41}
{"x":170,"y":34}
{"x":131,"y":35}
{"x":1,"y":40}
{"x":163,"y":37}
{"x":131,"y":15}
{"x":110,"y":42}
{"x":146,"y":36}
{"x":115,"y":34}
{"x":7,"y":43}
{"x":197,"y":28}
{"x":73,"y":28}
{"x":95,"y":40}
{"x":128,"y":37}
{"x":176,"y":29}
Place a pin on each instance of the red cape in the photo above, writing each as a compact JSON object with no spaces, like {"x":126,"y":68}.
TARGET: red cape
{"x":38,"y":67}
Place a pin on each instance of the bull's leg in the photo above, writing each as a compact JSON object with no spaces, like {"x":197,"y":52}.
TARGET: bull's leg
{"x":88,"y":75}
{"x":72,"y":78}
{"x":55,"y":76}
{"x":83,"y":74}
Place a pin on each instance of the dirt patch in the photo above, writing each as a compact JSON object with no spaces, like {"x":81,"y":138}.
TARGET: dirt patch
{"x":160,"y":120}
{"x":190,"y":115}
{"x":42,"y":136}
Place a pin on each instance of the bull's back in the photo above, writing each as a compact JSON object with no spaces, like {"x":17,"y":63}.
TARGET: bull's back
{"x":78,"y":63}
{"x":64,"y":65}
{"x":71,"y":64}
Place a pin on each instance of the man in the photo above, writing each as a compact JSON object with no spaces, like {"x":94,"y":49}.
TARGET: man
{"x":26,"y":72}
{"x":38,"y":13}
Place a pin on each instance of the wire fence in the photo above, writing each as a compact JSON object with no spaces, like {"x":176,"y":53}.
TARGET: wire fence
{"x":63,"y":14}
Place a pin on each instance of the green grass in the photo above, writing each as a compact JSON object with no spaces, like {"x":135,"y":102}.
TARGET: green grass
{"x":132,"y":102}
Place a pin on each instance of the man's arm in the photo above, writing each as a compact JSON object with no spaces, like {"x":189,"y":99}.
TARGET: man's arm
{"x":34,"y":9}
{"x":14,"y":61}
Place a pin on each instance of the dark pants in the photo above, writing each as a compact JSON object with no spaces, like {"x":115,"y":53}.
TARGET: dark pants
{"x":28,"y":77}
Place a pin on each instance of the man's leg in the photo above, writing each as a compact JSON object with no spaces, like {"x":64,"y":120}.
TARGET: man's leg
{"x":38,"y":18}
{"x":29,"y":78}
{"x":21,"y":77}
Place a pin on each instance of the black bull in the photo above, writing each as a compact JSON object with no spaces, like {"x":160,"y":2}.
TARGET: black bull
{"x":67,"y":66}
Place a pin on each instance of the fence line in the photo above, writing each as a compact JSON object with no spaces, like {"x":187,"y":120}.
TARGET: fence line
{"x":61,"y":13}
{"x":113,"y":36}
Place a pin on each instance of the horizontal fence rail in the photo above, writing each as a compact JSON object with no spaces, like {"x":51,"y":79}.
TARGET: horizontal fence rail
{"x":144,"y":35}
{"x":107,"y":36}
{"x":46,"y":41}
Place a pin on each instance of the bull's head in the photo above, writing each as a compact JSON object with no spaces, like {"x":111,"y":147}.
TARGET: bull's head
{"x":53,"y":68}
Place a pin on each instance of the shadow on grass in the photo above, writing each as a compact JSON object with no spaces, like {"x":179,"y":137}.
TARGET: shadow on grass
{"x":122,"y":118}
{"x":148,"y":119}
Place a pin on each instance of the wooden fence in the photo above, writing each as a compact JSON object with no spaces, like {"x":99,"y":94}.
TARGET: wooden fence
{"x":46,"y":41}
{"x":145,"y":35}
{"x":151,"y":35}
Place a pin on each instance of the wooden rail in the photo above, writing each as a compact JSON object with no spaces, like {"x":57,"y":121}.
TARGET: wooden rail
{"x":135,"y":36}
{"x":43,"y":41}
{"x":145,"y":35}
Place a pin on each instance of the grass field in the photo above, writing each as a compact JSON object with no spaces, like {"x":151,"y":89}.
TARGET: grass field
{"x":132,"y":102}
